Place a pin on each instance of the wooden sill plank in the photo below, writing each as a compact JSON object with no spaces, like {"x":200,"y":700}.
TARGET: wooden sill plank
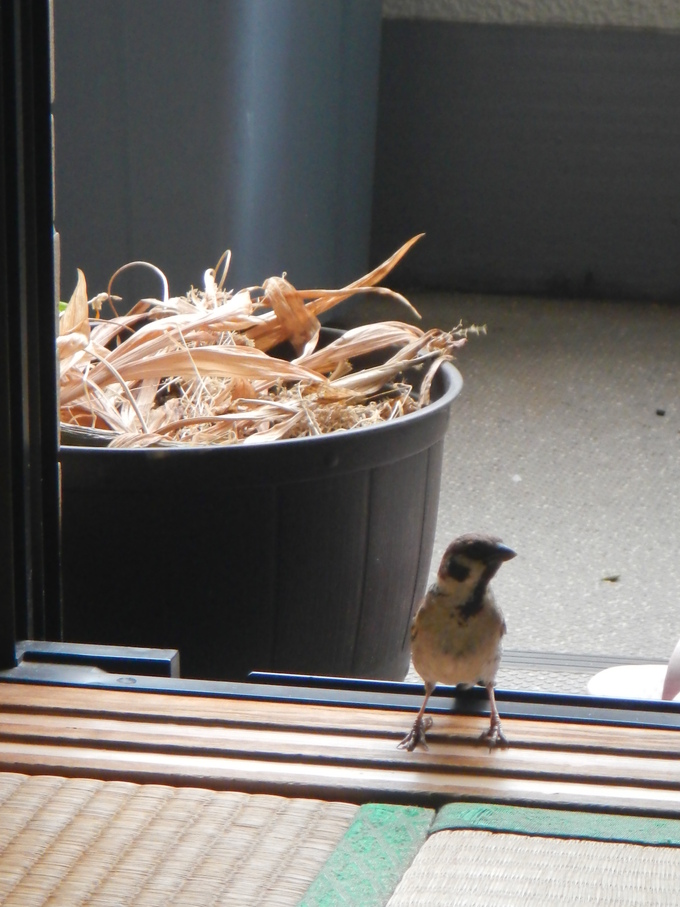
{"x":458,"y":753}
{"x":329,"y":781}
{"x":198,"y":711}
{"x":333,"y":752}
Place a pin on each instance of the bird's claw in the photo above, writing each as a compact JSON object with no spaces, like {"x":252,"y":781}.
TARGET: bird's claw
{"x":494,"y":736}
{"x":416,"y":736}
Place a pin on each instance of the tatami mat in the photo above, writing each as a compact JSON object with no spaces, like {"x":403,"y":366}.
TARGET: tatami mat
{"x":487,"y":869}
{"x":73,"y":842}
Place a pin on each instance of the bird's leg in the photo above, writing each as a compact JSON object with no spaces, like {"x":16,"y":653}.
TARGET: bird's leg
{"x":494,"y":735}
{"x":416,"y":736}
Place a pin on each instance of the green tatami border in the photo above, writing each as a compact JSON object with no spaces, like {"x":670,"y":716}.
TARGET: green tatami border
{"x":372,"y":856}
{"x":558,"y":823}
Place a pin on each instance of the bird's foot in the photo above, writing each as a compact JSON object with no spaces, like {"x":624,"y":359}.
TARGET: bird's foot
{"x":494,"y":735}
{"x":416,"y":736}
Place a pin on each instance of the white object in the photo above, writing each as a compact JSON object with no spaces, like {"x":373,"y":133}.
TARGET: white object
{"x":640,"y":681}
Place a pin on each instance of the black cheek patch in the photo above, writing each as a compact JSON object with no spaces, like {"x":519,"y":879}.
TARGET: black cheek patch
{"x":456,"y":570}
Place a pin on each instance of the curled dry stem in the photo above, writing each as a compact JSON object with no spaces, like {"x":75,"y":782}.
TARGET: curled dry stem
{"x":196,"y":369}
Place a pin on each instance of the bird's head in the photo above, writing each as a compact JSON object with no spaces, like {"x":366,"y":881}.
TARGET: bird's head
{"x":472,"y":557}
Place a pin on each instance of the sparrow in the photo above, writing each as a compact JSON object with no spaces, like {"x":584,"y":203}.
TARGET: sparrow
{"x":457,"y":632}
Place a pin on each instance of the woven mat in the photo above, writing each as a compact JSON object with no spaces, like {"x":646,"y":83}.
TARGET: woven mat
{"x":489,"y":869}
{"x":72,"y":842}
{"x":486,"y":855}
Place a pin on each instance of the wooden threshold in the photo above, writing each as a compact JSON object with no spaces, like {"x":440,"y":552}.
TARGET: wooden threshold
{"x":332,"y":752}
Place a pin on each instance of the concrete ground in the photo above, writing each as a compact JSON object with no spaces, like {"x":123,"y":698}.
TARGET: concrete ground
{"x":565,"y":441}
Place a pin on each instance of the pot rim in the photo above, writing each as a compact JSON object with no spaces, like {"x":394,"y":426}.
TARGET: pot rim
{"x":453,"y":383}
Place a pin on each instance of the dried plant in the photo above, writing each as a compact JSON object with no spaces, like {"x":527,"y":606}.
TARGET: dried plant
{"x":197,"y":369}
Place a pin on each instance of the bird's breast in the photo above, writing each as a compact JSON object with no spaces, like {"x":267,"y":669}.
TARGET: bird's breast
{"x":449,"y":648}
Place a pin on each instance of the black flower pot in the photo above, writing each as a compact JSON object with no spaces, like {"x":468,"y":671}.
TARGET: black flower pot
{"x":303,"y":556}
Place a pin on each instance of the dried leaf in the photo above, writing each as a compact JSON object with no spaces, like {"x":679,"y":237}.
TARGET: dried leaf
{"x":301,"y":327}
{"x":194,"y":369}
{"x":75,"y":317}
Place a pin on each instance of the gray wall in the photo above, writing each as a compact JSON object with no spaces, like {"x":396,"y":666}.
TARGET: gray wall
{"x":185,"y":127}
{"x":540,"y":155}
{"x":591,"y":13}
{"x":538,"y":159}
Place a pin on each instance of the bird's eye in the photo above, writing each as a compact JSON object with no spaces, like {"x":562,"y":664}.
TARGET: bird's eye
{"x":457,"y":570}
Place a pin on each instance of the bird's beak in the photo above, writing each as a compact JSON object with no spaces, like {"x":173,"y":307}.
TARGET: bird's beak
{"x":504,"y":553}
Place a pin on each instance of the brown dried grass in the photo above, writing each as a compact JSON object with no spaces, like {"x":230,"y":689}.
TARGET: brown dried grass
{"x":197,"y":370}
